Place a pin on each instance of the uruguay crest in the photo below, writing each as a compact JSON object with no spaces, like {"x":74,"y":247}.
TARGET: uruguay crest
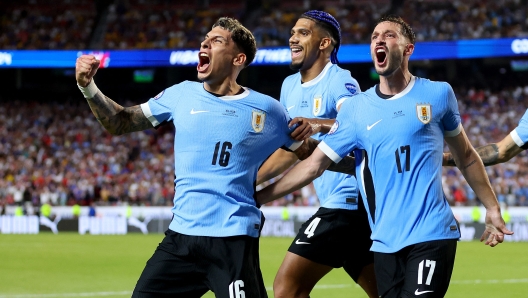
{"x":317,"y":102}
{"x":257,"y":120}
{"x":423,"y":112}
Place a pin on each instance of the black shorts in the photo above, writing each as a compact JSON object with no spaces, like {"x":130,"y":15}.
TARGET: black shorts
{"x":189,"y":266}
{"x":336,"y":238}
{"x":422,"y":269}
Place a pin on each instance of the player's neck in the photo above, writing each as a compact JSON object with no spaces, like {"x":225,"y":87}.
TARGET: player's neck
{"x":223,"y":88}
{"x":395,"y":83}
{"x":313,"y":71}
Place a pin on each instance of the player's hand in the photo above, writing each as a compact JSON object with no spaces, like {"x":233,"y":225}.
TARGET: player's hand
{"x":85,"y":68}
{"x":495,"y":228}
{"x":305,"y":128}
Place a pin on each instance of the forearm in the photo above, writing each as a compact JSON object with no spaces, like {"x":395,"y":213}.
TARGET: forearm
{"x":306,"y":149}
{"x":112,"y":116}
{"x":322,"y":125}
{"x":488,"y":153}
{"x":475,"y":174}
{"x":298,"y":177}
{"x":276,"y":164}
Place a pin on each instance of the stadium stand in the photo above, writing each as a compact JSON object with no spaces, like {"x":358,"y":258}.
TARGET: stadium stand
{"x":56,"y":152}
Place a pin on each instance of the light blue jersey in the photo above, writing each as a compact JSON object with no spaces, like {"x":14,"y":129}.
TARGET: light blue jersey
{"x":400,"y":174}
{"x":319,"y":98}
{"x":520,"y":133}
{"x":220,"y":143}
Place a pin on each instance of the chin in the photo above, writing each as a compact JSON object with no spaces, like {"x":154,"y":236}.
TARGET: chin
{"x":296,"y":65}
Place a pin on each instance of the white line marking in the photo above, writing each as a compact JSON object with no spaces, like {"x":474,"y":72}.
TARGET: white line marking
{"x":336,"y":286}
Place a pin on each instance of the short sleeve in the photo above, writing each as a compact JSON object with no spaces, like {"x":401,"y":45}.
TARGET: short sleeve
{"x":342,"y":137}
{"x":520,"y":133}
{"x":451,"y":118}
{"x":159,"y":108}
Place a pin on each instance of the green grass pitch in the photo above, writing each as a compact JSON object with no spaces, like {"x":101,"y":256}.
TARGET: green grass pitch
{"x":73,"y":265}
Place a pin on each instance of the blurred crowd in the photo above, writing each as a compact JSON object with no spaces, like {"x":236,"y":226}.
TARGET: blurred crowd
{"x":57,"y":153}
{"x":164,"y":24}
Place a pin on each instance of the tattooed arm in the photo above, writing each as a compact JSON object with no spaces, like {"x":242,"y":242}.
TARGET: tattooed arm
{"x":492,"y":154}
{"x":115,"y":118}
{"x":471,"y":166}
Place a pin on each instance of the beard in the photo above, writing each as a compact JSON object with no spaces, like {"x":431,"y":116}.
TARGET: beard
{"x":296,"y":65}
{"x":394,"y":62}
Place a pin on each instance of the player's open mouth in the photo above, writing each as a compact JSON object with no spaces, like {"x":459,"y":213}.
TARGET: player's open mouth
{"x":296,"y":52}
{"x":381,"y":56}
{"x":203,"y":62}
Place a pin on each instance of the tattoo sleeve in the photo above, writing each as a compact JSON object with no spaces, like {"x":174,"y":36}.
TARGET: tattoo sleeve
{"x":489,"y":154}
{"x":115,"y":118}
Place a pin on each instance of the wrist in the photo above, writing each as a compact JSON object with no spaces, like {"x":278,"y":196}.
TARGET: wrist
{"x":90,"y":90}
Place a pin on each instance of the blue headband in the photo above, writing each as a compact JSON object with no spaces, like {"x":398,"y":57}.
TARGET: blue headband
{"x":328,"y":19}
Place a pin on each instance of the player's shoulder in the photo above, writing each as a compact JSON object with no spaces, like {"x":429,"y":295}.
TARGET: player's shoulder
{"x":292,"y":79}
{"x":426,"y":83}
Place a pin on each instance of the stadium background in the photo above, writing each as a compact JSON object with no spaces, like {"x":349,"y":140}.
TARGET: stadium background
{"x":54,"y":154}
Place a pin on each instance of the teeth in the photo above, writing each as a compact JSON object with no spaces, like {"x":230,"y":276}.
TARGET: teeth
{"x":380,"y":51}
{"x":203,"y":55}
{"x":296,"y":50}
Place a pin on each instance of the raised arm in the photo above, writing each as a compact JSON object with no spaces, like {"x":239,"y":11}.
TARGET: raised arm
{"x":307,"y":127}
{"x":471,"y":166}
{"x":112,"y":116}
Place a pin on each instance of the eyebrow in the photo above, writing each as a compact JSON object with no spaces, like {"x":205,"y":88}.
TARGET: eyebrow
{"x":216,"y":36}
{"x":383,"y":32}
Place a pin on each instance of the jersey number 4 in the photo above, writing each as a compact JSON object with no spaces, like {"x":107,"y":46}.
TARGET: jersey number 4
{"x":223,"y":160}
{"x":407,"y":151}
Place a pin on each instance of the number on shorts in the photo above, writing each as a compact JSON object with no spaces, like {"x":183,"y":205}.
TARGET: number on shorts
{"x":428,"y":263}
{"x":311,"y":227}
{"x":235,"y":290}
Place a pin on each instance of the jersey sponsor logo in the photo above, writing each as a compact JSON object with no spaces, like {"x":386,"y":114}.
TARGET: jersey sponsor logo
{"x":351,"y":88}
{"x":300,"y":242}
{"x":418,"y":293}
{"x":423,"y":112}
{"x":369,"y":127}
{"x":289,"y":108}
{"x":317,"y":102}
{"x":334,"y":128}
{"x":257,"y":120}
{"x":197,"y":112}
{"x":159,"y":95}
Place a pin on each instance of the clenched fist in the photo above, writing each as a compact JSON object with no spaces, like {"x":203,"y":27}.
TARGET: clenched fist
{"x":85,"y":68}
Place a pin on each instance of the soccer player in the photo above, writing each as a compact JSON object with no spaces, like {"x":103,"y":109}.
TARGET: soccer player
{"x":223,"y":134}
{"x":338,"y":234}
{"x":504,"y":150}
{"x":401,"y":124}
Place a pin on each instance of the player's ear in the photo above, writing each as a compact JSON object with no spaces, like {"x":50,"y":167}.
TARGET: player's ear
{"x":409,"y":49}
{"x":325,"y":43}
{"x":239,"y":59}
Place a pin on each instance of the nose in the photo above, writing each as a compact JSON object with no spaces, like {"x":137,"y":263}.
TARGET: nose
{"x":294,"y":39}
{"x":204,"y":44}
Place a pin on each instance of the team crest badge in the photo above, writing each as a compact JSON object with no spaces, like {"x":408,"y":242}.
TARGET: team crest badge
{"x":257,"y":120}
{"x":318,"y":101}
{"x":423,"y":112}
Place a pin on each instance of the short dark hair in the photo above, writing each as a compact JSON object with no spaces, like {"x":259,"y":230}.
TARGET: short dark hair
{"x":406,"y":30}
{"x":242,"y":37}
{"x":329,"y":24}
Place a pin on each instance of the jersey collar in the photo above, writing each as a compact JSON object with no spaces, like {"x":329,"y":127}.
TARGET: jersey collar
{"x":318,"y":77}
